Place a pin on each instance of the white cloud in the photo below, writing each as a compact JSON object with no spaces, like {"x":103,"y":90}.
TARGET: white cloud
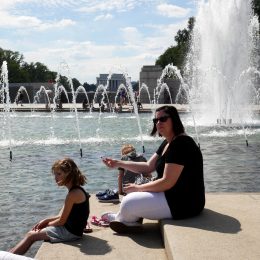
{"x":172,"y":10}
{"x":7,"y":4}
{"x":86,"y":54}
{"x":131,"y":35}
{"x":88,"y":59}
{"x":80,"y":56}
{"x":92,"y":6}
{"x":162,"y":37}
{"x":29,"y":22}
{"x":57,"y":24}
{"x":7,"y":21}
{"x":103,"y":17}
{"x":9,"y":16}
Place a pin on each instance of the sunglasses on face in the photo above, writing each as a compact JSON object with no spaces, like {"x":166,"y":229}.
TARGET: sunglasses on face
{"x":162,"y":119}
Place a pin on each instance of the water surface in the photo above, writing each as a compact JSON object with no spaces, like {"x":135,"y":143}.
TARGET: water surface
{"x":29,"y":193}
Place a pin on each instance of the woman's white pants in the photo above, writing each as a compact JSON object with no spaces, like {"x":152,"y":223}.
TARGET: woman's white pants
{"x":149,"y":205}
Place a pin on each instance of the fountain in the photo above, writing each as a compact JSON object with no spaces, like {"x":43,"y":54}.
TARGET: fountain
{"x":46,"y":93}
{"x":22,"y":89}
{"x":5,"y":98}
{"x":58,"y":90}
{"x":121,"y":88}
{"x":82,"y":89}
{"x":220,"y":80}
{"x":144,"y":88}
{"x":101,"y":89}
{"x":221,"y":75}
{"x":132,"y":100}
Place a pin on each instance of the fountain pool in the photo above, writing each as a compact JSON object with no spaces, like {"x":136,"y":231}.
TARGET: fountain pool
{"x":29,"y":193}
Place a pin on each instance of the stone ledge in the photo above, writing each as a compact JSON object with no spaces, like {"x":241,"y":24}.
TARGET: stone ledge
{"x":229,"y":228}
{"x":103,"y":243}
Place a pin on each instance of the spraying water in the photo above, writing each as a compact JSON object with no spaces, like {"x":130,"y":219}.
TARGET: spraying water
{"x":6,"y":101}
{"x":221,"y":78}
{"x":221,"y":69}
{"x":66,"y":67}
{"x":37,"y":98}
{"x":22,"y":89}
{"x":132,"y":97}
{"x":170,"y":71}
{"x":82,"y":89}
{"x":144,"y":88}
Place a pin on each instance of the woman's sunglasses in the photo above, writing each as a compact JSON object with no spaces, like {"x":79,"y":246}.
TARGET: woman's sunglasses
{"x":161,"y":119}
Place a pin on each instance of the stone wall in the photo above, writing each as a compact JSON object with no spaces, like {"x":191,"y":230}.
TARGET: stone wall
{"x":149,"y":76}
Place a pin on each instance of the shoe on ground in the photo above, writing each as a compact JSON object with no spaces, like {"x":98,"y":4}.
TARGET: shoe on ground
{"x":99,"y":222}
{"x":107,"y":191}
{"x":95,"y":221}
{"x":108,"y":216}
{"x":121,"y":227}
{"x":102,"y":193}
{"x":87,"y":229}
{"x":109,"y":197}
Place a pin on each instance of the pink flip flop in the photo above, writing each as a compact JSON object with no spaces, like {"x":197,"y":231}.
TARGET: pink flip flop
{"x":99,"y":222}
{"x":95,"y":221}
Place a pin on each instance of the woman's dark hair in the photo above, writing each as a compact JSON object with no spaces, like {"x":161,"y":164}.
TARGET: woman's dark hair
{"x":178,"y":127}
{"x":73,"y":174}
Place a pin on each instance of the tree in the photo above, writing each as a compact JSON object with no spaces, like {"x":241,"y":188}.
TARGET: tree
{"x":90,"y":87}
{"x":75,"y":83}
{"x":256,"y":8}
{"x":20,"y":71}
{"x":135,"y":85}
{"x":176,"y":54}
{"x":14,"y":61}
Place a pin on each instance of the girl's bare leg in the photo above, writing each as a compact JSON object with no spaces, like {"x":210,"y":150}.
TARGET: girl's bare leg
{"x":31,"y":237}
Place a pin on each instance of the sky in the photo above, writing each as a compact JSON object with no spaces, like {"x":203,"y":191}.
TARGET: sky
{"x":83,"y":38}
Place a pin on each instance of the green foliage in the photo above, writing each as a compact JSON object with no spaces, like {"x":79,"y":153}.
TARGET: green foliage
{"x":135,"y":85}
{"x":20,"y":71}
{"x":89,"y":87}
{"x":176,"y":54}
{"x":75,"y":83}
{"x":256,"y":8}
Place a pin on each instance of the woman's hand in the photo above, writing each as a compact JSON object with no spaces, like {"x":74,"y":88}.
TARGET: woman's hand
{"x":111,"y":163}
{"x":131,"y":187}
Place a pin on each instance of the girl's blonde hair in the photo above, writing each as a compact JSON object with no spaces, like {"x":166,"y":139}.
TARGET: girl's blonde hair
{"x":127,"y":148}
{"x":71,"y":170}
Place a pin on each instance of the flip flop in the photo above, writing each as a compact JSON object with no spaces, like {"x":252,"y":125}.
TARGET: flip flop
{"x":95,"y":220}
{"x":99,"y":222}
{"x":88,"y":229}
{"x":104,"y":223}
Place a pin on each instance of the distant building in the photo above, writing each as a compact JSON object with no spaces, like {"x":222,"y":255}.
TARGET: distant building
{"x":114,"y":81}
{"x":149,"y":76}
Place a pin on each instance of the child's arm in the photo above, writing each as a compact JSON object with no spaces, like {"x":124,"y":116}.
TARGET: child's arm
{"x":44,"y":223}
{"x":74,"y":197}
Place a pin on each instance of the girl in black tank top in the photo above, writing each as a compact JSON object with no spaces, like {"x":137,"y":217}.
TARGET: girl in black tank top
{"x":69,"y":224}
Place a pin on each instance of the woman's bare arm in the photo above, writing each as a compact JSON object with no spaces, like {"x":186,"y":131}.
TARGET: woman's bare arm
{"x":138,"y":167}
{"x":171,"y":174}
